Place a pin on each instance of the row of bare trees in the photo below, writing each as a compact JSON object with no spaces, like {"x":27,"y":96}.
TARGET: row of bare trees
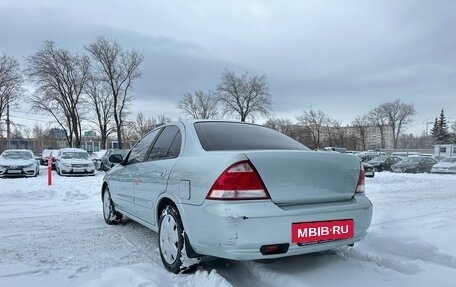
{"x":316,"y":129}
{"x":92,"y":86}
{"x":238,"y":96}
{"x":390,"y":117}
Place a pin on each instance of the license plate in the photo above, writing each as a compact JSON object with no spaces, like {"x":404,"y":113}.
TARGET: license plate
{"x":14,"y":171}
{"x":314,"y":232}
{"x":78,"y":170}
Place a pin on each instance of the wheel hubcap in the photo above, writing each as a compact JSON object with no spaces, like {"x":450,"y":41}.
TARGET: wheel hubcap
{"x":169,"y":238}
{"x":106,"y":206}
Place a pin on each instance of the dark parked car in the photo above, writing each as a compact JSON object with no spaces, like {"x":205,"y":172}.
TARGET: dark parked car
{"x":369,"y":170}
{"x":105,"y":164}
{"x":414,"y":164}
{"x":382,"y":163}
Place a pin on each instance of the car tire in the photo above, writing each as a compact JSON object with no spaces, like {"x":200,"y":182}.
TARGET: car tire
{"x":171,"y":239}
{"x":110,"y":215}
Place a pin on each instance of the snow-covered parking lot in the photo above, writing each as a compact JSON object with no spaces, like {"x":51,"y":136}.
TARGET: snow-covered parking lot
{"x":55,"y":236}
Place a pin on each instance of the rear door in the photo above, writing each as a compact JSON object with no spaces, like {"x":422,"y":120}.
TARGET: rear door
{"x":122,"y":180}
{"x":151,"y":177}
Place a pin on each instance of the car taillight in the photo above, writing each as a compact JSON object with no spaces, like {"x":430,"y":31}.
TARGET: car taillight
{"x":239,"y":181}
{"x":361,"y":180}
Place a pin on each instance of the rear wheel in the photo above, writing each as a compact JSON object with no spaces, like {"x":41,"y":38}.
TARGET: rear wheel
{"x":111,"y":216}
{"x":171,"y":239}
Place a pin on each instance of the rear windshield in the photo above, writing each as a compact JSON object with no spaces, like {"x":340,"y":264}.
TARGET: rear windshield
{"x":217,"y":136}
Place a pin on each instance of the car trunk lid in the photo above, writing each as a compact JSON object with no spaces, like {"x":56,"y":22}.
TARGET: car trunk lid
{"x":295,"y":177}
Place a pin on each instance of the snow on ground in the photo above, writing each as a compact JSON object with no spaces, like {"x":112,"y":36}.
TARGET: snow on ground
{"x":55,"y":236}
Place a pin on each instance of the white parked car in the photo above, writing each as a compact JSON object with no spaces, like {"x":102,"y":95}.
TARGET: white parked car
{"x":97,"y":156}
{"x":446,"y":165}
{"x":74,"y":161}
{"x":17,"y":163}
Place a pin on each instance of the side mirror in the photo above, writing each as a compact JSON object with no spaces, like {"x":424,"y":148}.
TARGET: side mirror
{"x":116,"y":158}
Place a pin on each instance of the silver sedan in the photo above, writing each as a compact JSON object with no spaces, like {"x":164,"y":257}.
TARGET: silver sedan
{"x":237,"y":191}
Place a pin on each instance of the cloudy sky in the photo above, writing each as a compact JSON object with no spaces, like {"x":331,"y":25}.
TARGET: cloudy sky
{"x":341,"y":57}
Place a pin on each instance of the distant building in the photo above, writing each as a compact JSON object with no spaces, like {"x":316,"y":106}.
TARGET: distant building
{"x":373,"y":137}
{"x":58,"y":134}
{"x":446,"y":150}
{"x":90,"y":134}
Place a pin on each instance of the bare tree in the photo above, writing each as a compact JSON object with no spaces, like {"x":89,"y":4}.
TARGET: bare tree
{"x":397,"y":115}
{"x":313,"y":122}
{"x":101,"y":101}
{"x":143,"y":125}
{"x":378,"y":118}
{"x":199,"y":106}
{"x":118,"y":69}
{"x":10,"y":83}
{"x":162,"y":119}
{"x":360,"y":123}
{"x":284,"y":126}
{"x":244,"y":96}
{"x":60,"y":77}
{"x":339,"y":133}
{"x":330,"y":131}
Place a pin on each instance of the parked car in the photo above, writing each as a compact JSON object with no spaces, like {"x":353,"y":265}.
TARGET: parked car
{"x":369,"y":170}
{"x":18,"y":163}
{"x":236,"y":190}
{"x":54,"y":154}
{"x":44,"y":156}
{"x":439,"y":157}
{"x":96,"y":158}
{"x":74,"y":161}
{"x":105,"y":163}
{"x":415,"y":164}
{"x":366,"y":156}
{"x":446,"y":165}
{"x":383,"y":162}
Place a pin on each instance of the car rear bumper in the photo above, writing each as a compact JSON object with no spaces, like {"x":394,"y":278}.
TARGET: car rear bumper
{"x":444,"y":171}
{"x":237,"y":230}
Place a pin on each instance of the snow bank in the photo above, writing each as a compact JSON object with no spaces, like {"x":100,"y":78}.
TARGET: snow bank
{"x":55,"y":236}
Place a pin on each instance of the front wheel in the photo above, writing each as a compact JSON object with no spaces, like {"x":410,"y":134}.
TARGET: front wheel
{"x":111,"y":216}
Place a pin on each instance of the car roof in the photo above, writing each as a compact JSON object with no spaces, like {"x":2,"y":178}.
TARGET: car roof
{"x":71,"y":149}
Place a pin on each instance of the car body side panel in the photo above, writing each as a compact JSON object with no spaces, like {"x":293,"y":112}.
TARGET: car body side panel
{"x":201,"y":172}
{"x":121,"y":185}
{"x":150,"y":181}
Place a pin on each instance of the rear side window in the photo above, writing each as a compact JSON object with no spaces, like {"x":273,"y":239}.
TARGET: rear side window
{"x":139,"y":151}
{"x":167,"y":145}
{"x":218,"y":136}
